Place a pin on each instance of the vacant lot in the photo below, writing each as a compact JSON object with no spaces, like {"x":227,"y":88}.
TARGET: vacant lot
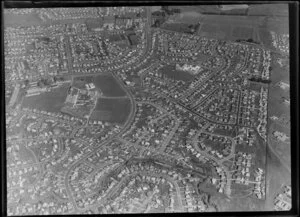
{"x":111,"y":110}
{"x":49,"y":101}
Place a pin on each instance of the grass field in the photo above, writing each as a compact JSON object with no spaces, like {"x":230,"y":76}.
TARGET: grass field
{"x":190,"y":17}
{"x":265,"y":37}
{"x":33,"y":19}
{"x":277,"y":168}
{"x":225,"y":29}
{"x":116,"y":37}
{"x":268,"y":10}
{"x":276,"y":94}
{"x":240,"y":32}
{"x":108,"y":85}
{"x":21,"y":20}
{"x":229,"y":27}
{"x":210,"y":31}
{"x":277,"y":176}
{"x":171,"y":72}
{"x":215,"y":27}
{"x":111,"y":110}
{"x":79,"y":82}
{"x":198,"y":8}
{"x":177,"y":27}
{"x":49,"y":101}
{"x":280,"y":25}
{"x":25,"y":154}
{"x":105,"y":82}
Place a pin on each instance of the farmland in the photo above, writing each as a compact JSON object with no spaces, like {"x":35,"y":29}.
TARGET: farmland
{"x":229,"y":27}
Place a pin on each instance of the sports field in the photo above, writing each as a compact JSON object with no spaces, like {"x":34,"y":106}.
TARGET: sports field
{"x":111,"y":110}
{"x":48,"y":101}
{"x":108,"y":85}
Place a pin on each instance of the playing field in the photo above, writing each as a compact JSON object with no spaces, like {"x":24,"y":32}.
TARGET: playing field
{"x":48,"y":101}
{"x":108,"y":85}
{"x":79,"y":82}
{"x":111,"y":110}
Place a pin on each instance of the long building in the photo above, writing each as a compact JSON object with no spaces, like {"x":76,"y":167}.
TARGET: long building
{"x":14,"y":95}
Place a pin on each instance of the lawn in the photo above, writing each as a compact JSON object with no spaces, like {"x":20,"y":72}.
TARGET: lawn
{"x":111,"y":110}
{"x":108,"y":85}
{"x":49,"y":101}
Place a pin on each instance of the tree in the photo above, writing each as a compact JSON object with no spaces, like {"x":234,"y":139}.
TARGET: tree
{"x":270,"y":68}
{"x":26,"y":82}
